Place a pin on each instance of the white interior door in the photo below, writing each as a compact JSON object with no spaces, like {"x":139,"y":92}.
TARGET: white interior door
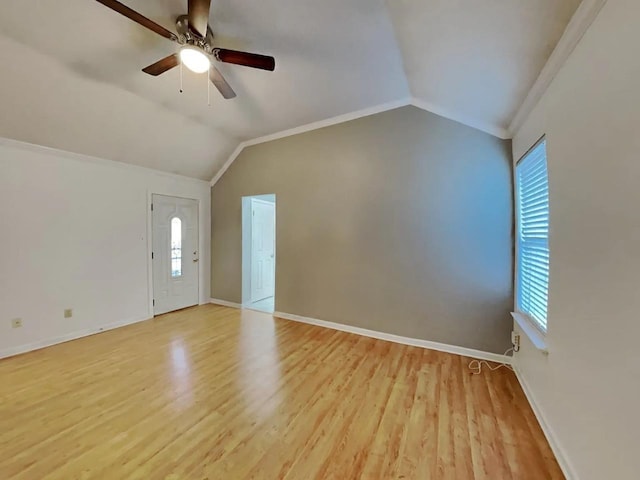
{"x":175,"y":253}
{"x":263,"y":222}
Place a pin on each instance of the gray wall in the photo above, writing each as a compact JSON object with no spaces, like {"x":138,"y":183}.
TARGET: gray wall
{"x":398,"y":222}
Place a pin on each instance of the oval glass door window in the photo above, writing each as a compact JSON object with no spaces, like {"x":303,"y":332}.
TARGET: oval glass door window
{"x":176,"y":247}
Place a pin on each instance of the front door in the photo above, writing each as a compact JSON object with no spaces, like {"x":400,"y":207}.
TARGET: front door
{"x":175,"y":253}
{"x":263,"y":216}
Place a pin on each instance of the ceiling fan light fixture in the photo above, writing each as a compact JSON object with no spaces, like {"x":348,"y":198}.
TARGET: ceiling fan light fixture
{"x":195,"y":59}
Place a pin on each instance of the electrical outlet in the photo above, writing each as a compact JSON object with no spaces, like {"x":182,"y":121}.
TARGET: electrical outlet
{"x":68,"y":313}
{"x":16,"y":323}
{"x":515,"y":341}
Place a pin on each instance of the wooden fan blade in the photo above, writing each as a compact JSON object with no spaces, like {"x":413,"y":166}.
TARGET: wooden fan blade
{"x":136,"y":17}
{"x":199,"y":16}
{"x":246,"y":59}
{"x":220,"y":83}
{"x":161,"y":66}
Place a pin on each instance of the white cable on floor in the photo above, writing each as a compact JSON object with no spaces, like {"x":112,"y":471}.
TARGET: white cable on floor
{"x":476,"y":365}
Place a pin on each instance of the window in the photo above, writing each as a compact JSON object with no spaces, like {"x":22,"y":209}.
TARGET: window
{"x":532,"y":211}
{"x":176,"y":247}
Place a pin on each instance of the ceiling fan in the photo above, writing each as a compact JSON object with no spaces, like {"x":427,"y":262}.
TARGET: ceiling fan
{"x":196,"y":45}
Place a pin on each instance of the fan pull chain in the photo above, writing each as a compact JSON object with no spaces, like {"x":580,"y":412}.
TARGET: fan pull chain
{"x":208,"y":86}
{"x":180,"y":75}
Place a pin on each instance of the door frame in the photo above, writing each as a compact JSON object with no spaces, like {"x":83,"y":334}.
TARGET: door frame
{"x":246,"y":245}
{"x":201,"y":247}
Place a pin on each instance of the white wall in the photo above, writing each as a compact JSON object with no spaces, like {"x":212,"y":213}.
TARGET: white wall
{"x":588,"y":388}
{"x":74,"y":234}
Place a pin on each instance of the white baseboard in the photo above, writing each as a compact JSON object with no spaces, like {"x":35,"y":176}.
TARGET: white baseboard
{"x":415,"y":342}
{"x":558,"y":451}
{"x":224,"y":303}
{"x":47,"y":342}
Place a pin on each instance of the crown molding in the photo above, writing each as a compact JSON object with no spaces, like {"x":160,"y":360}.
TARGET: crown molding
{"x":228,"y":163}
{"x":578,"y":25}
{"x":416,"y":102}
{"x":494,"y":130}
{"x":327,"y":122}
{"x":44,"y":150}
{"x":347,"y":117}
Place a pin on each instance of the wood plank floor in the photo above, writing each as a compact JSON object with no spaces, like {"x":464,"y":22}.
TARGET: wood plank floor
{"x":217,"y":393}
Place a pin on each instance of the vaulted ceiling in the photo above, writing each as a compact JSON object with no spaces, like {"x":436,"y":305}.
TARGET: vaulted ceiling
{"x":71,"y":74}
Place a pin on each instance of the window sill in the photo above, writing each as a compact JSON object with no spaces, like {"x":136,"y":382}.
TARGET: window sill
{"x":537,"y":338}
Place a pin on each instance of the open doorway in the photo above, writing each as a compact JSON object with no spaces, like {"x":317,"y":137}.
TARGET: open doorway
{"x":259,"y":252}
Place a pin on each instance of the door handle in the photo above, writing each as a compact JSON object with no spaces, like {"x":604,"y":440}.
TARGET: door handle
{"x":195,"y":260}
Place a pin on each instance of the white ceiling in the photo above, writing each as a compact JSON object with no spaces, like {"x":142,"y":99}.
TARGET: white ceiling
{"x":477,"y":58}
{"x":71,"y":74}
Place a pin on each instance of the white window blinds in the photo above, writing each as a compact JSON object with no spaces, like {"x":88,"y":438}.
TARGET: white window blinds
{"x":532,"y":203}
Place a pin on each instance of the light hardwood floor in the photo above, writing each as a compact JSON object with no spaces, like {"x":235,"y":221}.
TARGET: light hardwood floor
{"x":217,"y":393}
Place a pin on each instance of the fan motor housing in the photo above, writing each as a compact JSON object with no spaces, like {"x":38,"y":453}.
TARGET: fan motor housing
{"x":186,"y":36}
